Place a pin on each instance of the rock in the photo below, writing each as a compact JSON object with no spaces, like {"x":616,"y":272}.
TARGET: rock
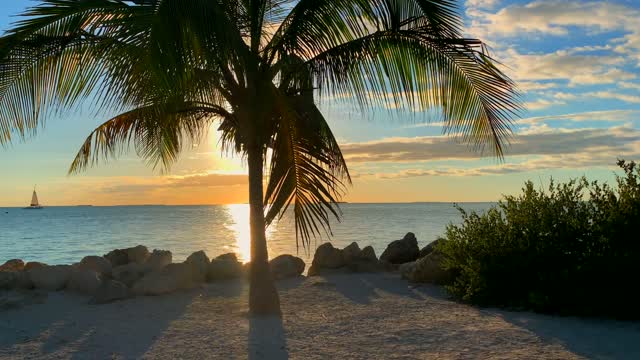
{"x":286,"y":266}
{"x":51,"y":278}
{"x":199,"y":262}
{"x":327,"y":256}
{"x":368,"y":253}
{"x":159,"y":259}
{"x":171,"y":278}
{"x":110,"y":290}
{"x":430,"y":247}
{"x":12,"y":265}
{"x":364,"y":260}
{"x":98,"y":264}
{"x":401,"y":251}
{"x":138,"y":254}
{"x":117,"y":257}
{"x":84,"y":281}
{"x":23,"y":280}
{"x":351,"y":252}
{"x":34,"y":265}
{"x":130,"y":273}
{"x":429,"y":269}
{"x":228,"y":256}
{"x":406,"y":270}
{"x":8,"y":280}
{"x":224,"y":268}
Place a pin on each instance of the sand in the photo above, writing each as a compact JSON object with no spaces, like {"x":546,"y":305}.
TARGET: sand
{"x":350,"y":316}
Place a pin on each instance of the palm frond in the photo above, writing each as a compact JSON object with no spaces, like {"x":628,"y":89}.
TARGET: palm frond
{"x":158,"y":133}
{"x":307,"y":169}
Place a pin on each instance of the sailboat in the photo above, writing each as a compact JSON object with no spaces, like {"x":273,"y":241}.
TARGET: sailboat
{"x":34,"y":201}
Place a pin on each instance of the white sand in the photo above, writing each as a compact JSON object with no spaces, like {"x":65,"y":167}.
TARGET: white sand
{"x":372,"y":316}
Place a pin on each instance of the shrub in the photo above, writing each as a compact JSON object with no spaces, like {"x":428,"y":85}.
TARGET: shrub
{"x":573,"y":249}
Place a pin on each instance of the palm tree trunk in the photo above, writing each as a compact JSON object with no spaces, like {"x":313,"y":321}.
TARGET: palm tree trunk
{"x":263,"y":296}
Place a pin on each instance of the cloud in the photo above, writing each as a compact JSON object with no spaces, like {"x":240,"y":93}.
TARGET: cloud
{"x":144,"y":184}
{"x":541,"y":104}
{"x":538,"y":141}
{"x":605,"y":115}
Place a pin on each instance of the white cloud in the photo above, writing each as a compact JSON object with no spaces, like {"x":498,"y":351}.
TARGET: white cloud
{"x":541,"y":104}
{"x":605,"y":115}
{"x":539,"y":140}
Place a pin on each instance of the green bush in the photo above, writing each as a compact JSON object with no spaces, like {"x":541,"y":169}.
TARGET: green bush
{"x":573,"y":249}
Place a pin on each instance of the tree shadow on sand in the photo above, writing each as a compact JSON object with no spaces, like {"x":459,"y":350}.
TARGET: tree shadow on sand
{"x":591,"y":338}
{"x":66,"y":325}
{"x":267,"y":338}
{"x":362,"y":288}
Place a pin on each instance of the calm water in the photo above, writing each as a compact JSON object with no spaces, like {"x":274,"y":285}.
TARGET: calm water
{"x":59,"y":235}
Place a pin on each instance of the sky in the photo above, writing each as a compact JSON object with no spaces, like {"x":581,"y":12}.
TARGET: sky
{"x":577,"y":64}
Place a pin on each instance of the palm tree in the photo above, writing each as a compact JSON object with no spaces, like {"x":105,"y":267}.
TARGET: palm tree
{"x":172,"y":68}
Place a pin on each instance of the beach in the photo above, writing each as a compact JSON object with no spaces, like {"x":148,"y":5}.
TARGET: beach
{"x":340,"y":316}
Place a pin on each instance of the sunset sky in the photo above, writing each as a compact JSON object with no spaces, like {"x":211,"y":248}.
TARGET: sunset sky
{"x":577,"y":63}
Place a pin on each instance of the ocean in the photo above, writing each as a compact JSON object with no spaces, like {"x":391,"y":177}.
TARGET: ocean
{"x":64,"y":235}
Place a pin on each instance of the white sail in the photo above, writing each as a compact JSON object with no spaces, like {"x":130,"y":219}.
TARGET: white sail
{"x":34,"y":199}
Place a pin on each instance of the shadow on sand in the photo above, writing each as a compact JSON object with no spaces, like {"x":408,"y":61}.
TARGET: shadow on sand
{"x":267,"y":339}
{"x":591,"y":338}
{"x":65,"y":323}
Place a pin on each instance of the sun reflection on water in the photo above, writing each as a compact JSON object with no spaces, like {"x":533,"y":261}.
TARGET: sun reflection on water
{"x":239,"y":225}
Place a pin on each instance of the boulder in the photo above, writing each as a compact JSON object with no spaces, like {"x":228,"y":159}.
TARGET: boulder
{"x":351,"y":252}
{"x":406,"y":270}
{"x":430,"y":247}
{"x":8,"y":280}
{"x":286,"y":266}
{"x":98,"y":264}
{"x":138,"y":254}
{"x":364,"y":260}
{"x":224,"y":268}
{"x":117,"y":257}
{"x":34,"y":265}
{"x":130,"y":273}
{"x":429,"y":269}
{"x":159,"y":259}
{"x":401,"y":251}
{"x":199,"y":262}
{"x":228,"y":256}
{"x":171,"y":278}
{"x":327,"y":256}
{"x":109,"y":291}
{"x":23,"y":280}
{"x":12,"y":265}
{"x":84,"y":281}
{"x":51,"y":278}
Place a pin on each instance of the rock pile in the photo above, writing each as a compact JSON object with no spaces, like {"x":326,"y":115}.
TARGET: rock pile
{"x":123,"y":273}
{"x":329,"y":259}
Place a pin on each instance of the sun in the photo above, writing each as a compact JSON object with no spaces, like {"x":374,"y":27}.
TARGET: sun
{"x":240,"y":226}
